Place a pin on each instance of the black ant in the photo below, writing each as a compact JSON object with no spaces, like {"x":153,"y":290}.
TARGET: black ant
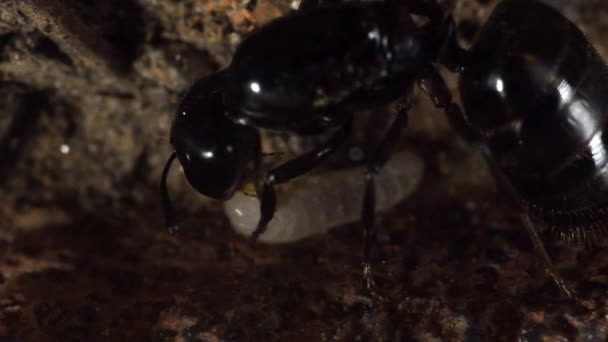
{"x":533,"y":89}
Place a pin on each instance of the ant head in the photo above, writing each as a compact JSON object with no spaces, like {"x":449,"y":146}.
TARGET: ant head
{"x":215,"y":152}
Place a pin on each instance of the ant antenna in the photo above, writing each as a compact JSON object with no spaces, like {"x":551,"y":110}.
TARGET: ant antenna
{"x":170,"y":219}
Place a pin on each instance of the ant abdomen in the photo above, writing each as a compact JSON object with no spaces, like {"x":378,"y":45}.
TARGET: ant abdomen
{"x":575,"y":205}
{"x":316,"y":203}
{"x":535,"y":89}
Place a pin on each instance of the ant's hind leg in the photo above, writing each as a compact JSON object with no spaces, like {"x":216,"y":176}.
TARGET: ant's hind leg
{"x":434,"y":86}
{"x":377,"y":159}
{"x":542,"y":253}
{"x":292,"y":169}
{"x":524,"y":216}
{"x":437,"y":90}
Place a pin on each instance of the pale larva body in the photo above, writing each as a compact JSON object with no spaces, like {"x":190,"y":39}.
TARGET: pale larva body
{"x":313,"y":204}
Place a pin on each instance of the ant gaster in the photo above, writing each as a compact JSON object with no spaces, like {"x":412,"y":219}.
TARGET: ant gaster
{"x":533,"y":90}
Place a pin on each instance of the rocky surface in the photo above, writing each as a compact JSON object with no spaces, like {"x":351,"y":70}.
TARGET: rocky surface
{"x":87,"y":92}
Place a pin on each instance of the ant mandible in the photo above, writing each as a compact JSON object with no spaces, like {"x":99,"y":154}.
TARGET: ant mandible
{"x":532,"y":86}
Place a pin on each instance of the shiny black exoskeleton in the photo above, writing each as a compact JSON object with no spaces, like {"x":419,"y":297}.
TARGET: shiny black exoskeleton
{"x":532,"y":86}
{"x":535,"y":90}
{"x":307,"y":79}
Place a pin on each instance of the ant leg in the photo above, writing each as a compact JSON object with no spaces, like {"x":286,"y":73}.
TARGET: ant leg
{"x":373,"y":166}
{"x":451,"y":54}
{"x":292,"y":169}
{"x":170,"y":220}
{"x":434,"y":86}
{"x":437,"y":90}
{"x":542,"y":253}
{"x":539,"y":247}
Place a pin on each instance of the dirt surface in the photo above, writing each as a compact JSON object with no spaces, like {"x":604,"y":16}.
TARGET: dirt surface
{"x":87,"y":94}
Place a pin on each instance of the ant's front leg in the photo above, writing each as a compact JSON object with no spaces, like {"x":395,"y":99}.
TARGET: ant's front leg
{"x":292,"y":169}
{"x":373,"y":165}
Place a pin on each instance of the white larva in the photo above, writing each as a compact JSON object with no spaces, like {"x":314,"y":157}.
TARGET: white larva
{"x":313,"y":204}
